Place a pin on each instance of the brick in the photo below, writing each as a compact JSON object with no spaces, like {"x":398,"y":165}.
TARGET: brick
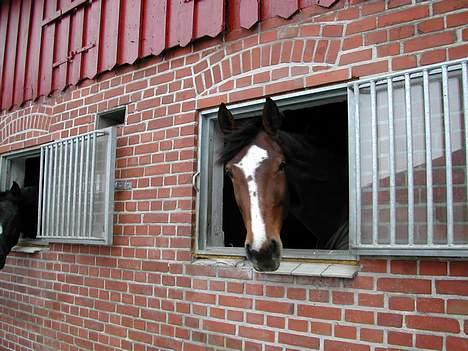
{"x":357,"y":316}
{"x":331,"y":345}
{"x":459,"y":268}
{"x":342,"y":298}
{"x":403,"y":16}
{"x":274,"y":306}
{"x":356,"y":56}
{"x":390,"y":319}
{"x":457,"y":307}
{"x":411,"y":286}
{"x":399,"y":338}
{"x":319,"y":312}
{"x":328,"y":77}
{"x":361,"y":26}
{"x":404,"y":62}
{"x":433,"y":56}
{"x":432,"y":268}
{"x":430,"y":342}
{"x":299,"y":340}
{"x":430,"y":305}
{"x":373,"y":265}
{"x":452,"y":287}
{"x":456,"y":344}
{"x":439,"y":324}
{"x":219,"y":327}
{"x":257,"y":334}
{"x":404,"y":267}
{"x":233,"y":301}
{"x":298,"y":325}
{"x":429,"y":41}
{"x":457,"y":51}
{"x":371,"y":335}
{"x":345,"y":332}
{"x":447,"y":6}
{"x":371,"y":300}
{"x":369,"y":69}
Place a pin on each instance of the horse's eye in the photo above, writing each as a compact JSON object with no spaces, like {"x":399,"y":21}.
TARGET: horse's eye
{"x":282,"y":165}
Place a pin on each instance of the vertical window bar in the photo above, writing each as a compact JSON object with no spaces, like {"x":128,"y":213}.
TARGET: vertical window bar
{"x":91,"y":185}
{"x":58,"y":190}
{"x":80,"y":180}
{"x":49,"y":191}
{"x":74,"y":213}
{"x":357,"y":152}
{"x":70,"y":189}
{"x":448,"y":155}
{"x":465,"y":113}
{"x":409,"y":146}
{"x":375,"y":175}
{"x":54,"y":208}
{"x":40,"y":212}
{"x":427,"y":123}
{"x":64,"y":187}
{"x":86,"y":188}
{"x":391,"y":134}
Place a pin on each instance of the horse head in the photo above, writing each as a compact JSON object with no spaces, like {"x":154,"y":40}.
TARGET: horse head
{"x":9,"y":220}
{"x":257,"y":172}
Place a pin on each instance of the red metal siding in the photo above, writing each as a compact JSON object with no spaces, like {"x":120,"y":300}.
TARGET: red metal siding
{"x":49,"y":45}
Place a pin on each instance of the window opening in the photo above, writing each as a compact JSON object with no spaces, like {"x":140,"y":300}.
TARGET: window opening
{"x":111,"y":118}
{"x":326,"y":126}
{"x":322,"y":116}
{"x":24,"y":168}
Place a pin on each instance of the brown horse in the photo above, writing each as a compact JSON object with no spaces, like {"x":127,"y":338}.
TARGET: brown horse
{"x":274,"y":172}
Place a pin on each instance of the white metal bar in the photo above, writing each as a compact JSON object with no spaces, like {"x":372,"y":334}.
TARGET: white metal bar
{"x":448,"y":155}
{"x":375,"y":170}
{"x":75,"y":187}
{"x":54,"y":195}
{"x":86,"y":188}
{"x":91,"y":186}
{"x":80,"y":191}
{"x":428,"y":135}
{"x":391,"y":135}
{"x":465,"y":113}
{"x":71,"y":174}
{"x":358,"y":164}
{"x":40,"y":210}
{"x":64,"y":188}
{"x":409,"y":149}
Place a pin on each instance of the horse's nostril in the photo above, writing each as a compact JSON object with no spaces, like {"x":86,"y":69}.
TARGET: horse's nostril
{"x":274,"y":245}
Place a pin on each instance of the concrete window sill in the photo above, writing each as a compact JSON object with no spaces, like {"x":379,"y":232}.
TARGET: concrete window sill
{"x":30,"y":246}
{"x":304,"y":269}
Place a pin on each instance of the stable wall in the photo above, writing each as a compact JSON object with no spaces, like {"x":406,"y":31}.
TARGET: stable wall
{"x":144,"y":292}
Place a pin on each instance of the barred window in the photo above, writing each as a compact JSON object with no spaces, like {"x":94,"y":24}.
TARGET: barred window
{"x":76,"y":190}
{"x":408,"y":178}
{"x":74,"y":180}
{"x":410,"y":162}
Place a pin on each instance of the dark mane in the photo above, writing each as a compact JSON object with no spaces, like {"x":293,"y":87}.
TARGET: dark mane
{"x":241,"y":136}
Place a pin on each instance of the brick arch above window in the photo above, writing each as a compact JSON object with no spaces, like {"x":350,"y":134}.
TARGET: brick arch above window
{"x":244,"y":71}
{"x":26,"y":124}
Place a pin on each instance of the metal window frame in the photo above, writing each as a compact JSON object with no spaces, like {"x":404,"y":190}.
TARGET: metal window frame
{"x":409,"y":249}
{"x":209,"y":176}
{"x":78,"y":230}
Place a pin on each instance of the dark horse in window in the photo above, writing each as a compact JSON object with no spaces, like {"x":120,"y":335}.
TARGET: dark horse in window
{"x":18,"y":214}
{"x":275,"y":172}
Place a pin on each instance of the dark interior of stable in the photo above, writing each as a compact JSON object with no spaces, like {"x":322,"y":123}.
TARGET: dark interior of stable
{"x":327,"y":125}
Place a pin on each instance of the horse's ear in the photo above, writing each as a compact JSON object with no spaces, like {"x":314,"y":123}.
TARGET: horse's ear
{"x":15,"y":189}
{"x":272,"y":117}
{"x":225,"y":119}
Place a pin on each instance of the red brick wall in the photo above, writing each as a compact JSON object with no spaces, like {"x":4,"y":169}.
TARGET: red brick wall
{"x":143,"y":293}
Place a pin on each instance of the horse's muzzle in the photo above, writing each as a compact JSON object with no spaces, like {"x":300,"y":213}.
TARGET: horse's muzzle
{"x":267,"y":259}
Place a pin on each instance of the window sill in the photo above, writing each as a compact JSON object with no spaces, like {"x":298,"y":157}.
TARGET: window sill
{"x":30,"y":246}
{"x":324,"y":270}
{"x":299,"y":269}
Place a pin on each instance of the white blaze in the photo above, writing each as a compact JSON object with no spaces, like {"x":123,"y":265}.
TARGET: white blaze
{"x":1,"y":229}
{"x":249,"y":164}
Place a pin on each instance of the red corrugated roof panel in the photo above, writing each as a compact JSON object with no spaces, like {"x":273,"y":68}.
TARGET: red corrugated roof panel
{"x":46,"y":45}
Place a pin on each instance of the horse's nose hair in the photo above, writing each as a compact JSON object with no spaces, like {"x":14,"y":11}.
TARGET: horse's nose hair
{"x":267,"y":258}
